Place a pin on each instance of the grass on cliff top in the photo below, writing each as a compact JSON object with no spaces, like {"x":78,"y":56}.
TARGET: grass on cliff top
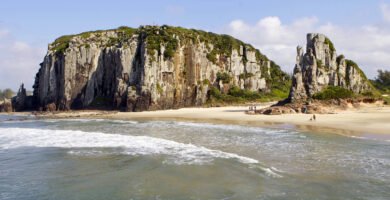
{"x":169,"y":36}
{"x":62,"y":43}
{"x":331,"y":45}
{"x":223,"y":45}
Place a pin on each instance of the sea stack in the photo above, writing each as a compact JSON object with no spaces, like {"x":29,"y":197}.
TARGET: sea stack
{"x":320,"y":67}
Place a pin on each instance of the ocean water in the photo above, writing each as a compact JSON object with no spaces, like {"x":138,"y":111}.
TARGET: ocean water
{"x":111,"y":159}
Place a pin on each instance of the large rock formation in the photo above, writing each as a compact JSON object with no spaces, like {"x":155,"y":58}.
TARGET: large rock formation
{"x":22,"y":101}
{"x":19,"y":101}
{"x":147,"y":68}
{"x":320,"y":67}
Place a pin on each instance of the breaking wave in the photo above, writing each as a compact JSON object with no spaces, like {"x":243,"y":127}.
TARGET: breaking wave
{"x":179,"y":153}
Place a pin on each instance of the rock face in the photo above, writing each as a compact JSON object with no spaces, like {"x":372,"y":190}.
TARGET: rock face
{"x":148,"y":68}
{"x":19,"y":101}
{"x":22,"y":101}
{"x":320,"y":67}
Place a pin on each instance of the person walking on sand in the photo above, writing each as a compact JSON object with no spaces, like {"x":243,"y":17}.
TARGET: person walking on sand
{"x":314,"y":117}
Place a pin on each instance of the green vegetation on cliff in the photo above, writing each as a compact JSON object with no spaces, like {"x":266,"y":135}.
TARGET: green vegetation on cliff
{"x":167,"y":36}
{"x":336,"y":92}
{"x":351,"y":63}
{"x":239,"y":96}
{"x":333,"y":92}
{"x":62,"y":43}
{"x":277,"y":79}
{"x":331,"y":46}
{"x":224,"y":77}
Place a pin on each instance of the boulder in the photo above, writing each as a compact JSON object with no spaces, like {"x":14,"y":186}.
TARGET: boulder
{"x":276,"y":110}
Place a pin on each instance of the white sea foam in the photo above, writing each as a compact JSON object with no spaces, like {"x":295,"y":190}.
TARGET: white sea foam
{"x":240,"y":128}
{"x":90,"y":120}
{"x":133,"y":145}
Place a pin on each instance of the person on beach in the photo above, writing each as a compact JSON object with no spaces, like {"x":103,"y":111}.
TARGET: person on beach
{"x":314,"y":117}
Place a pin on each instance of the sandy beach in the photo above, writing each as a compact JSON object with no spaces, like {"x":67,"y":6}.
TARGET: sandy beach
{"x":367,"y":121}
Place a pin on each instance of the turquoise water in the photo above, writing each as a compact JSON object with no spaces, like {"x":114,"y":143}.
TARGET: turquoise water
{"x":108,"y":159}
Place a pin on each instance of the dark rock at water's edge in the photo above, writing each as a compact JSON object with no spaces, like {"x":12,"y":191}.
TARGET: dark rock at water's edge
{"x":22,"y":101}
{"x":316,"y":106}
{"x":149,"y":68}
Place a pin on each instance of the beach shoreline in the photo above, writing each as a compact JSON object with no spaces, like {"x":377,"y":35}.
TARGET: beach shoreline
{"x":369,"y":121}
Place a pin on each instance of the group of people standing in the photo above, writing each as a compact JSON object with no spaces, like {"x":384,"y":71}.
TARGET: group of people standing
{"x":252,"y":108}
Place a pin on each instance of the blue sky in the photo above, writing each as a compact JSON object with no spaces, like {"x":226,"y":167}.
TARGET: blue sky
{"x":360,"y":29}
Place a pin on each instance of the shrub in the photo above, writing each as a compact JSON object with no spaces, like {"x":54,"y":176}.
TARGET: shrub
{"x":206,"y":82}
{"x":212,"y":56}
{"x":371,"y":93}
{"x":245,"y":94}
{"x":224,"y":77}
{"x":333,"y":92}
{"x":214,"y":92}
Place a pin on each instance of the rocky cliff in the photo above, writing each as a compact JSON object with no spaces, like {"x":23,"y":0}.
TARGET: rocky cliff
{"x":320,"y":67}
{"x":149,"y":68}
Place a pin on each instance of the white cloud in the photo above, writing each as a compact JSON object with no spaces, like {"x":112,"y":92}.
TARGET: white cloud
{"x":19,"y":61}
{"x":237,"y":25}
{"x":385,"y":12}
{"x":368,"y":45}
